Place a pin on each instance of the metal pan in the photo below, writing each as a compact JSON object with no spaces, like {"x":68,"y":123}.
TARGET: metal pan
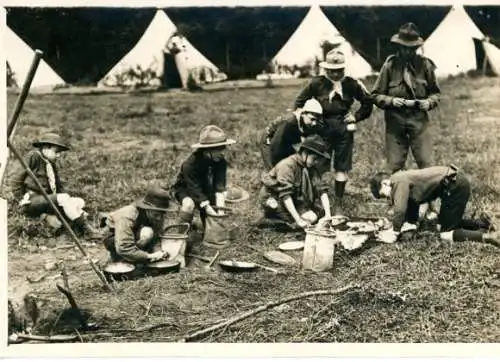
{"x":118,"y":271}
{"x":164,"y":267}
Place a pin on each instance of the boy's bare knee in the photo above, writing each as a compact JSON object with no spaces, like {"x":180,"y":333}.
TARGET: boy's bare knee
{"x":187,"y":205}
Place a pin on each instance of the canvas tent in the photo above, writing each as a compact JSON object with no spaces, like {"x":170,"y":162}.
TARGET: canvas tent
{"x":152,"y":60}
{"x":451,"y":45}
{"x":492,"y":54}
{"x":19,"y":58}
{"x":305,"y":46}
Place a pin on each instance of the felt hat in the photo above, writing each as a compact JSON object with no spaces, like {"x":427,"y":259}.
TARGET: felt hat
{"x":212,"y":136}
{"x":314,"y":144}
{"x":51,"y":139}
{"x":335,"y":59}
{"x":408,"y":35}
{"x":156,"y":199}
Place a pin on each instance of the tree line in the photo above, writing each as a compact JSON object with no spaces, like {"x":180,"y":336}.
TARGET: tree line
{"x":82,"y":44}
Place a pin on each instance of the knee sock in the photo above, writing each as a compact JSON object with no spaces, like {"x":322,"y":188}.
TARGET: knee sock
{"x":339,"y":189}
{"x":463,"y":235}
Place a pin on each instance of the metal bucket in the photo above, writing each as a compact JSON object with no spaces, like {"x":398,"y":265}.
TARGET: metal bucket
{"x":175,"y":243}
{"x":319,"y":249}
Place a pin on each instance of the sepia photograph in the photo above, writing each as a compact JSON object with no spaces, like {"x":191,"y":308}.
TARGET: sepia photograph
{"x":266,"y":173}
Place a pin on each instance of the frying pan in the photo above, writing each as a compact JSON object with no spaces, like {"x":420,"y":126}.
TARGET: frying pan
{"x":118,"y":271}
{"x":233,"y":266}
{"x":164,"y":267}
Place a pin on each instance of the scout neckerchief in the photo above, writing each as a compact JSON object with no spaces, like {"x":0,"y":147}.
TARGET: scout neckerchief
{"x":307,"y":190}
{"x":409,"y":77}
{"x":51,"y":175}
{"x":336,"y":88}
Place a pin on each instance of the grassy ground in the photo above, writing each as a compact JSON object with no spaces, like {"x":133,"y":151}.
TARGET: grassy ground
{"x":421,"y":290}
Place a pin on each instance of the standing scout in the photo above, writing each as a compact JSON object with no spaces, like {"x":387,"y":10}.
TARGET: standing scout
{"x":42,"y":162}
{"x":286,"y":131}
{"x":293,"y":189}
{"x":336,"y":94}
{"x":133,"y":230}
{"x":201,"y":182}
{"x":408,"y":189}
{"x":406,"y":90}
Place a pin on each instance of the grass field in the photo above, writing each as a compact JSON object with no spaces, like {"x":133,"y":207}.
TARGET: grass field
{"x":421,"y":290}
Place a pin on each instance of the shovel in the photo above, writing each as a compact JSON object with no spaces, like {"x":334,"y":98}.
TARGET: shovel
{"x":85,"y":326}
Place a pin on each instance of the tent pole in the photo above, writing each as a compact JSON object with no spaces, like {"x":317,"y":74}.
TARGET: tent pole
{"x":60,"y":216}
{"x":19,"y":106}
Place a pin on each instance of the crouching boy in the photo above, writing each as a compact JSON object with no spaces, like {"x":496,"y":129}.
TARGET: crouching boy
{"x":201,"y":182}
{"x":292,"y":190}
{"x":136,"y":228}
{"x":42,"y":162}
{"x":408,"y":189}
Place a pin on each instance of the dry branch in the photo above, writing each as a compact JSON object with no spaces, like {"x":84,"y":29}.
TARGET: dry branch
{"x":263,"y":308}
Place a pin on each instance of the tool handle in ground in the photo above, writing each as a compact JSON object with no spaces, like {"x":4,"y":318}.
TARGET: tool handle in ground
{"x":213,"y":260}
{"x":267,"y":268}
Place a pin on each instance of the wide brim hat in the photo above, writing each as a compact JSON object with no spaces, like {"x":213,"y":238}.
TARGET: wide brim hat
{"x":52,"y":139}
{"x":314,"y":144}
{"x":211,"y":137}
{"x":408,"y":36}
{"x":334,"y":59}
{"x":156,"y":199}
{"x":236,"y":194}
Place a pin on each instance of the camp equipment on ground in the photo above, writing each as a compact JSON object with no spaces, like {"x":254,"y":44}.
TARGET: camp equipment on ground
{"x":217,"y":230}
{"x":279,"y":258}
{"x":118,"y":271}
{"x":291,"y":245}
{"x":362,"y":226}
{"x":174,"y":243}
{"x":236,"y":194}
{"x":319,"y":249}
{"x":242,"y":266}
{"x":350,"y":240}
{"x":164,"y":266}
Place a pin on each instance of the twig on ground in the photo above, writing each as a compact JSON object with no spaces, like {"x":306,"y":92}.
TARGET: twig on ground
{"x":56,"y":338}
{"x":79,"y":335}
{"x":262,"y":308}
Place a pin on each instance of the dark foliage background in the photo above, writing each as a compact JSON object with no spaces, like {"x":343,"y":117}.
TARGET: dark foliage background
{"x":82,"y":44}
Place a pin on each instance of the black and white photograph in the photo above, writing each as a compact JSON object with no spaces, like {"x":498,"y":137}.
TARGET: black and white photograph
{"x":291,"y":174}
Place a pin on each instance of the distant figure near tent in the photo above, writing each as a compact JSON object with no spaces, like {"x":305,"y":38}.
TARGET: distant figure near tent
{"x":307,"y":43}
{"x":161,"y":52}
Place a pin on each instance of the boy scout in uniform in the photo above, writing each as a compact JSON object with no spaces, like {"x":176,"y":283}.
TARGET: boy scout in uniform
{"x":285,"y":132}
{"x":336,"y":94}
{"x":42,"y":162}
{"x":201,"y":182}
{"x":133,"y":230}
{"x":408,"y":189}
{"x":406,"y":90}
{"x":292,"y":190}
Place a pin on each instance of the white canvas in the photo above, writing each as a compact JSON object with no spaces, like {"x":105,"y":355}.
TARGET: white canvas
{"x":305,"y":45}
{"x":451,"y":44}
{"x":148,"y":54}
{"x":20,"y":56}
{"x":493,"y":55}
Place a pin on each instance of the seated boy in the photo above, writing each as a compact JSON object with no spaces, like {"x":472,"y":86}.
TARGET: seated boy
{"x":201,"y":182}
{"x":407,"y":190}
{"x":292,"y":189}
{"x":42,"y":162}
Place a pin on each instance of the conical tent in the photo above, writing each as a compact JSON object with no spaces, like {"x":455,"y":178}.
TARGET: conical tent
{"x":19,"y":58}
{"x":305,"y":45}
{"x":493,"y":55}
{"x":451,"y":44}
{"x":145,"y":63}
